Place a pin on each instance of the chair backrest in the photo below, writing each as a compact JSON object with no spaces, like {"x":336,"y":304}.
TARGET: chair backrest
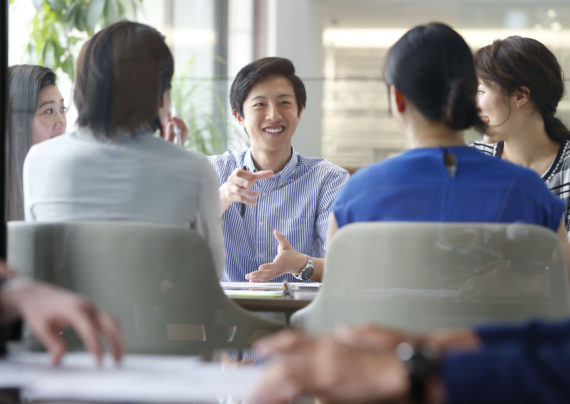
{"x":158,"y":281}
{"x":421,"y":276}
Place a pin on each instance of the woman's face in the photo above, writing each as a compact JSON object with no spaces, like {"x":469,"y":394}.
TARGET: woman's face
{"x":494,"y":109}
{"x":49,"y":119}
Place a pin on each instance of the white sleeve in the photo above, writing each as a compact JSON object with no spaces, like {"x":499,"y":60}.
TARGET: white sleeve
{"x":208,"y":220}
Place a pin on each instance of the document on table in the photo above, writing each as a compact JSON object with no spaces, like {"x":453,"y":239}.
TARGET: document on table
{"x":142,"y":378}
{"x":266,"y":289}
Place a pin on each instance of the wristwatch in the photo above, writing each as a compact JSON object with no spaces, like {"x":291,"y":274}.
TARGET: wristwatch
{"x":307,"y":271}
{"x":422,"y":362}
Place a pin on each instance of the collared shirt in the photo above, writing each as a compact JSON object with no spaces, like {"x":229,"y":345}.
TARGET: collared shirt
{"x":557,"y":177}
{"x":296,"y":201}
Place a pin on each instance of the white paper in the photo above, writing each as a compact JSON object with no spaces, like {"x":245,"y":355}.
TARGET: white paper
{"x":144,"y":378}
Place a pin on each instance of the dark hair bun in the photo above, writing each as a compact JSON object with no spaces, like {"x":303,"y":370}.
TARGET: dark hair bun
{"x":459,"y":111}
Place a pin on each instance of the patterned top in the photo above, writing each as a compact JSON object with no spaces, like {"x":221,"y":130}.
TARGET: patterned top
{"x":296,"y":201}
{"x":557,"y":177}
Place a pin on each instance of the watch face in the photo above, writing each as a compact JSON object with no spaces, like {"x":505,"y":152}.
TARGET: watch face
{"x":307,"y":273}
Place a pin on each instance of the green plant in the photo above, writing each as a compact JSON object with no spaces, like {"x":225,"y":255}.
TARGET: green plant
{"x":59,"y":27}
{"x":203,"y":109}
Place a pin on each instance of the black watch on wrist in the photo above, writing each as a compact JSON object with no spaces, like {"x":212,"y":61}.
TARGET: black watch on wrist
{"x":307,"y":271}
{"x":421,"y":362}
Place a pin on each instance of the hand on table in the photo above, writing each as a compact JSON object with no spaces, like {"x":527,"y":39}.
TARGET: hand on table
{"x":236,"y":188}
{"x":328,"y":369}
{"x":287,"y":260}
{"x":48,"y":310}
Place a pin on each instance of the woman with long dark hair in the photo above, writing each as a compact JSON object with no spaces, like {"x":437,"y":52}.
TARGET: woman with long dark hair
{"x":36,"y":112}
{"x":520,"y":86}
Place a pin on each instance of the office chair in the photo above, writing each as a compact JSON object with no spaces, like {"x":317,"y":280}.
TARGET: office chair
{"x":158,"y":281}
{"x":421,"y":276}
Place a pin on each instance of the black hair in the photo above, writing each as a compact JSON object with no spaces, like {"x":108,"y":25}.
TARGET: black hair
{"x":432,"y":66}
{"x":256,"y":71}
{"x":516,"y":62}
{"x":24,"y":85}
{"x":122,"y":73}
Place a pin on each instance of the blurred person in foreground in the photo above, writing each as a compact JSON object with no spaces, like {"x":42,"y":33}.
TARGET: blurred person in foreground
{"x":48,"y":310}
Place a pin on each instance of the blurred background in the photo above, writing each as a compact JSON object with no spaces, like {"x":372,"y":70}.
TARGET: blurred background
{"x":337,"y":46}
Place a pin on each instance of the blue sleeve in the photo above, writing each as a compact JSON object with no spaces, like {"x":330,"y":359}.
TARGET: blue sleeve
{"x":538,"y":331}
{"x":342,"y":205}
{"x":509,"y":375}
{"x":527,"y":363}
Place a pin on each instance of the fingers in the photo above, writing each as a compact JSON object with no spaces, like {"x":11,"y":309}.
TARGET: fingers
{"x":264,"y":274}
{"x":282,"y":240}
{"x":109,"y":328}
{"x":243,"y":195}
{"x":246,"y":179}
{"x":284,"y":342}
{"x":49,"y":336}
{"x":84,"y":321}
{"x":170,"y":126}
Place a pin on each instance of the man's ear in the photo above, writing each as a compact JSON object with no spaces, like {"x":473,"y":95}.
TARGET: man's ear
{"x":238,"y":117}
{"x":300,"y":112}
{"x":399,"y":99}
{"x":522,"y":96}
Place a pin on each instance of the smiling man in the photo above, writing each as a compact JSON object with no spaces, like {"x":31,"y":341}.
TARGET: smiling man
{"x":275,"y":203}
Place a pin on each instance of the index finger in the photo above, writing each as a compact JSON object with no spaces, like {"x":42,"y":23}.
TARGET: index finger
{"x":248,"y":178}
{"x":84,"y":322}
{"x":110,"y":330}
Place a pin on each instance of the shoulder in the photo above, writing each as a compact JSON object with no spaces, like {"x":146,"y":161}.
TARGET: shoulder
{"x":51,"y":147}
{"x":321,"y":167}
{"x":228,"y":161}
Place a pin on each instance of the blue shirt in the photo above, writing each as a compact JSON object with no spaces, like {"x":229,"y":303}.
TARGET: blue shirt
{"x":296,"y":201}
{"x":416,"y":186}
{"x":527,"y":363}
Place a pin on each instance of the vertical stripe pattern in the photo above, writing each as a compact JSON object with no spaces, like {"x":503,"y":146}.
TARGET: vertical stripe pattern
{"x":296,"y":201}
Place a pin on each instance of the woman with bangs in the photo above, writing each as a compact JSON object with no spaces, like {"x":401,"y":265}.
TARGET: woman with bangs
{"x":520,"y":86}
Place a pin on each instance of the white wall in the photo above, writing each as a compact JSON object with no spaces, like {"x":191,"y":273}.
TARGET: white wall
{"x":296,"y":33}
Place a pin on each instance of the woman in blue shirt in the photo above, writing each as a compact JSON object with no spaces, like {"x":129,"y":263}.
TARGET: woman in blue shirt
{"x":433,"y":86}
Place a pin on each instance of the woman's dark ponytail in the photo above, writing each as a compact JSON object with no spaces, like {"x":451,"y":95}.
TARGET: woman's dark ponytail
{"x":460,"y":110}
{"x":433,"y":67}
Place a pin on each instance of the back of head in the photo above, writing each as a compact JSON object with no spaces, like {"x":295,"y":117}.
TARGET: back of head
{"x":122,"y":73}
{"x":517,"y":62}
{"x":256,"y":71}
{"x":432,"y":66}
{"x":24,"y":83}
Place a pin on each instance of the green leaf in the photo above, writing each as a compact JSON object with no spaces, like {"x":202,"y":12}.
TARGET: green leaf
{"x":94,"y":14}
{"x":37,"y":3}
{"x":111,"y":12}
{"x":48,"y":54}
{"x":56,"y":5}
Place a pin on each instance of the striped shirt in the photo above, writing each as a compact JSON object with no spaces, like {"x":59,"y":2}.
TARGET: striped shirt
{"x":296,"y":201}
{"x":557,"y":177}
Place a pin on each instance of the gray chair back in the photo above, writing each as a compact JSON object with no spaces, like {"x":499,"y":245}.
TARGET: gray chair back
{"x":421,"y":276}
{"x":158,"y":281}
